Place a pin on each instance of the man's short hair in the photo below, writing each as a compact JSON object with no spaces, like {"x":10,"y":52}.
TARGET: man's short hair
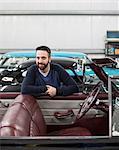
{"x":44,"y":48}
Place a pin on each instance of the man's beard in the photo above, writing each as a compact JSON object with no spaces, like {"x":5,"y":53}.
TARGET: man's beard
{"x":42,"y":66}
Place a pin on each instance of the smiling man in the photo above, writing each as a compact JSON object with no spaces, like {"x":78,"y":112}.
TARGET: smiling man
{"x":47,"y":77}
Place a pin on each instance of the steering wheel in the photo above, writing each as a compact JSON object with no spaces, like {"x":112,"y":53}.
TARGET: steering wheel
{"x":89,"y":101}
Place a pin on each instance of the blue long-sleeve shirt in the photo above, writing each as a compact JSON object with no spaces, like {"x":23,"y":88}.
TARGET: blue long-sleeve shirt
{"x":35,"y":84}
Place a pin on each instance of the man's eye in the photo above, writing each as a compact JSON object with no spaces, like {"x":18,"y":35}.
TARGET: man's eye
{"x":37,"y":57}
{"x":43,"y":58}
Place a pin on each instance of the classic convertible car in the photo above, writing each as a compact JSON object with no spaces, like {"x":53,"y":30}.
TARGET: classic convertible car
{"x":12,"y":60}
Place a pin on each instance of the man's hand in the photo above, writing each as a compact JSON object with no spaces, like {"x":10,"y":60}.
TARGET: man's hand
{"x":51,"y":90}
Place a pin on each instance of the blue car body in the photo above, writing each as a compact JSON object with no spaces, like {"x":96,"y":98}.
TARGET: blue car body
{"x":32,"y":54}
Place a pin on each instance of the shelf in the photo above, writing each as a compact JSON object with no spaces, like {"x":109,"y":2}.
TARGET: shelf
{"x":112,"y":44}
{"x":112,"y":40}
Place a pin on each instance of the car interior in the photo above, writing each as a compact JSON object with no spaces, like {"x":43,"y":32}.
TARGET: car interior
{"x":76,"y":115}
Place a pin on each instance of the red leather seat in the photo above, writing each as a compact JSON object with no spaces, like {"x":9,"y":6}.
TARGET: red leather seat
{"x":24,"y":118}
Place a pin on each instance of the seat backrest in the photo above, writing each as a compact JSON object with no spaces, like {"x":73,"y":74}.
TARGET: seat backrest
{"x":23,"y":118}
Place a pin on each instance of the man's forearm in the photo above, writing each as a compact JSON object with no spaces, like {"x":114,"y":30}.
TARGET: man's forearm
{"x":33,"y":89}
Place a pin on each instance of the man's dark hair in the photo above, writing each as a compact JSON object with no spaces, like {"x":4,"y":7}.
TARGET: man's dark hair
{"x":44,"y":48}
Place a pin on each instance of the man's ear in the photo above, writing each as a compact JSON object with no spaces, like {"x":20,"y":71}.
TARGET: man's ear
{"x":50,"y":59}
